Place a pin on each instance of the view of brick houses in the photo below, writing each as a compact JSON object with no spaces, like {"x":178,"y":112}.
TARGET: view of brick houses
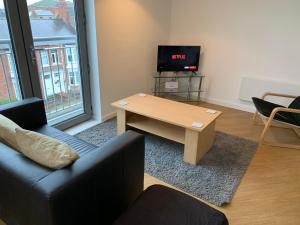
{"x":56,"y":56}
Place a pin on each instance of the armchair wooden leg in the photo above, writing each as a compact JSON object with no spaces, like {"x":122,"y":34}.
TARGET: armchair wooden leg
{"x":256,"y":117}
{"x":262,"y":137}
{"x":267,"y":126}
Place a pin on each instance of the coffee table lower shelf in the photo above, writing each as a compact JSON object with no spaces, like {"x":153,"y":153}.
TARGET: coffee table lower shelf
{"x":196,"y":143}
{"x":157,"y":127}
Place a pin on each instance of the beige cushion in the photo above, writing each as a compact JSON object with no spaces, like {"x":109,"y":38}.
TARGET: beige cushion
{"x":7,"y":131}
{"x":45,"y":150}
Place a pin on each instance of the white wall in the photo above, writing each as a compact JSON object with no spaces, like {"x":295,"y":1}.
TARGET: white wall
{"x":253,"y":38}
{"x":128,"y":33}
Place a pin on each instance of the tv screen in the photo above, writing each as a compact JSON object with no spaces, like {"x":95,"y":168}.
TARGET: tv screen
{"x":178,"y":58}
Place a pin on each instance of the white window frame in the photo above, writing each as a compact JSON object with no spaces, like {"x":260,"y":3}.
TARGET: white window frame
{"x":44,"y":53}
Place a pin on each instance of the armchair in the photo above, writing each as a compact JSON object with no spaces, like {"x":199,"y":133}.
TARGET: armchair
{"x":278,"y":116}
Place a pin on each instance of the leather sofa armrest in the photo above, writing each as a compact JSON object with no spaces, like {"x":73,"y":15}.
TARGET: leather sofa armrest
{"x":96,"y":189}
{"x":28,"y":113}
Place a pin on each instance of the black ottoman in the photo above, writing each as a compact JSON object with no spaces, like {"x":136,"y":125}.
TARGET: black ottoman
{"x":160,"y":205}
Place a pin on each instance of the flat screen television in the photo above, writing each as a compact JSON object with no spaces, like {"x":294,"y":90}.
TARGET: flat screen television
{"x":178,"y":58}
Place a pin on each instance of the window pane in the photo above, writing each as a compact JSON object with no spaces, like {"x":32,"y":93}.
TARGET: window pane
{"x":54,"y":34}
{"x":44,"y":58}
{"x":9,"y":81}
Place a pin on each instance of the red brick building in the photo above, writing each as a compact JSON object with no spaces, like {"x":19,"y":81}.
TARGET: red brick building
{"x":7,"y":90}
{"x":54,"y":34}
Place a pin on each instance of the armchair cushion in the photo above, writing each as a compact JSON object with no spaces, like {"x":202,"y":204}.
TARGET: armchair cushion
{"x":296,"y":105}
{"x":265,"y":108}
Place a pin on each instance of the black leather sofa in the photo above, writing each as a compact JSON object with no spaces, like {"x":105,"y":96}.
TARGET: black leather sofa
{"x":96,"y":189}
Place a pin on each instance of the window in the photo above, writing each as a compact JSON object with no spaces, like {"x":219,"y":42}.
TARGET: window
{"x":11,"y":64}
{"x":71,"y":54}
{"x":41,"y":44}
{"x":54,"y":56}
{"x":9,"y":84}
{"x":14,"y":76}
{"x":77,"y":77}
{"x":70,"y":58}
{"x":44,"y":58}
{"x":72,"y":78}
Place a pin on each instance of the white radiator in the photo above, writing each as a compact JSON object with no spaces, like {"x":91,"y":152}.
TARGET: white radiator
{"x":256,"y":87}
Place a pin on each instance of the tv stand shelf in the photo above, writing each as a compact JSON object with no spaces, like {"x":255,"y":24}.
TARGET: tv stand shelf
{"x":189,"y":86}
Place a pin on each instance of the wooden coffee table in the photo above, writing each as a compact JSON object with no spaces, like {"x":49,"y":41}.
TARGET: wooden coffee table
{"x":171,"y":120}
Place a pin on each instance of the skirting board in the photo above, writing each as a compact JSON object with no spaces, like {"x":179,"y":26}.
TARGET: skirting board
{"x":235,"y":105}
{"x":243,"y":107}
{"x":108,"y":116}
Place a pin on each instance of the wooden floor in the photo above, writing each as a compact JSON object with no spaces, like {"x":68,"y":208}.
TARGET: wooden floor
{"x":270,"y":191}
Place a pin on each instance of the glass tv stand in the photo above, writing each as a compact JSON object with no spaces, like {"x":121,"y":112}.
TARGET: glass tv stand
{"x":179,"y":86}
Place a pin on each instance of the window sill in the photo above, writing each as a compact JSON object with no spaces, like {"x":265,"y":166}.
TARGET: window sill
{"x":81,"y":127}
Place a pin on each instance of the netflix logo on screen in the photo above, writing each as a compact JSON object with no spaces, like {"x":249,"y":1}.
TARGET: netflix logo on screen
{"x":178,"y":58}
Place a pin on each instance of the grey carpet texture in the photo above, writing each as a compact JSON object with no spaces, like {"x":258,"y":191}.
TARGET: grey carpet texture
{"x":215,"y":179}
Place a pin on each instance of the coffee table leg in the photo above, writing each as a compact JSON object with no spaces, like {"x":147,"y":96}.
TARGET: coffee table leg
{"x":198,"y":143}
{"x":121,"y":121}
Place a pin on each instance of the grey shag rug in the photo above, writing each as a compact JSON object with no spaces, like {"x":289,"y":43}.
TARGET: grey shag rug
{"x":215,"y":179}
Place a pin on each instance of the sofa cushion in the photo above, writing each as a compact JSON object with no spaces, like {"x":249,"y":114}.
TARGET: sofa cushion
{"x":295,"y":105}
{"x":160,"y":205}
{"x":7,"y":131}
{"x":45,"y":150}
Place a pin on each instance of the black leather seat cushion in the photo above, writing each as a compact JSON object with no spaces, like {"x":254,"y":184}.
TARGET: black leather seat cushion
{"x":160,"y":205}
{"x":80,"y":146}
{"x":296,"y":105}
{"x":266,"y":108}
